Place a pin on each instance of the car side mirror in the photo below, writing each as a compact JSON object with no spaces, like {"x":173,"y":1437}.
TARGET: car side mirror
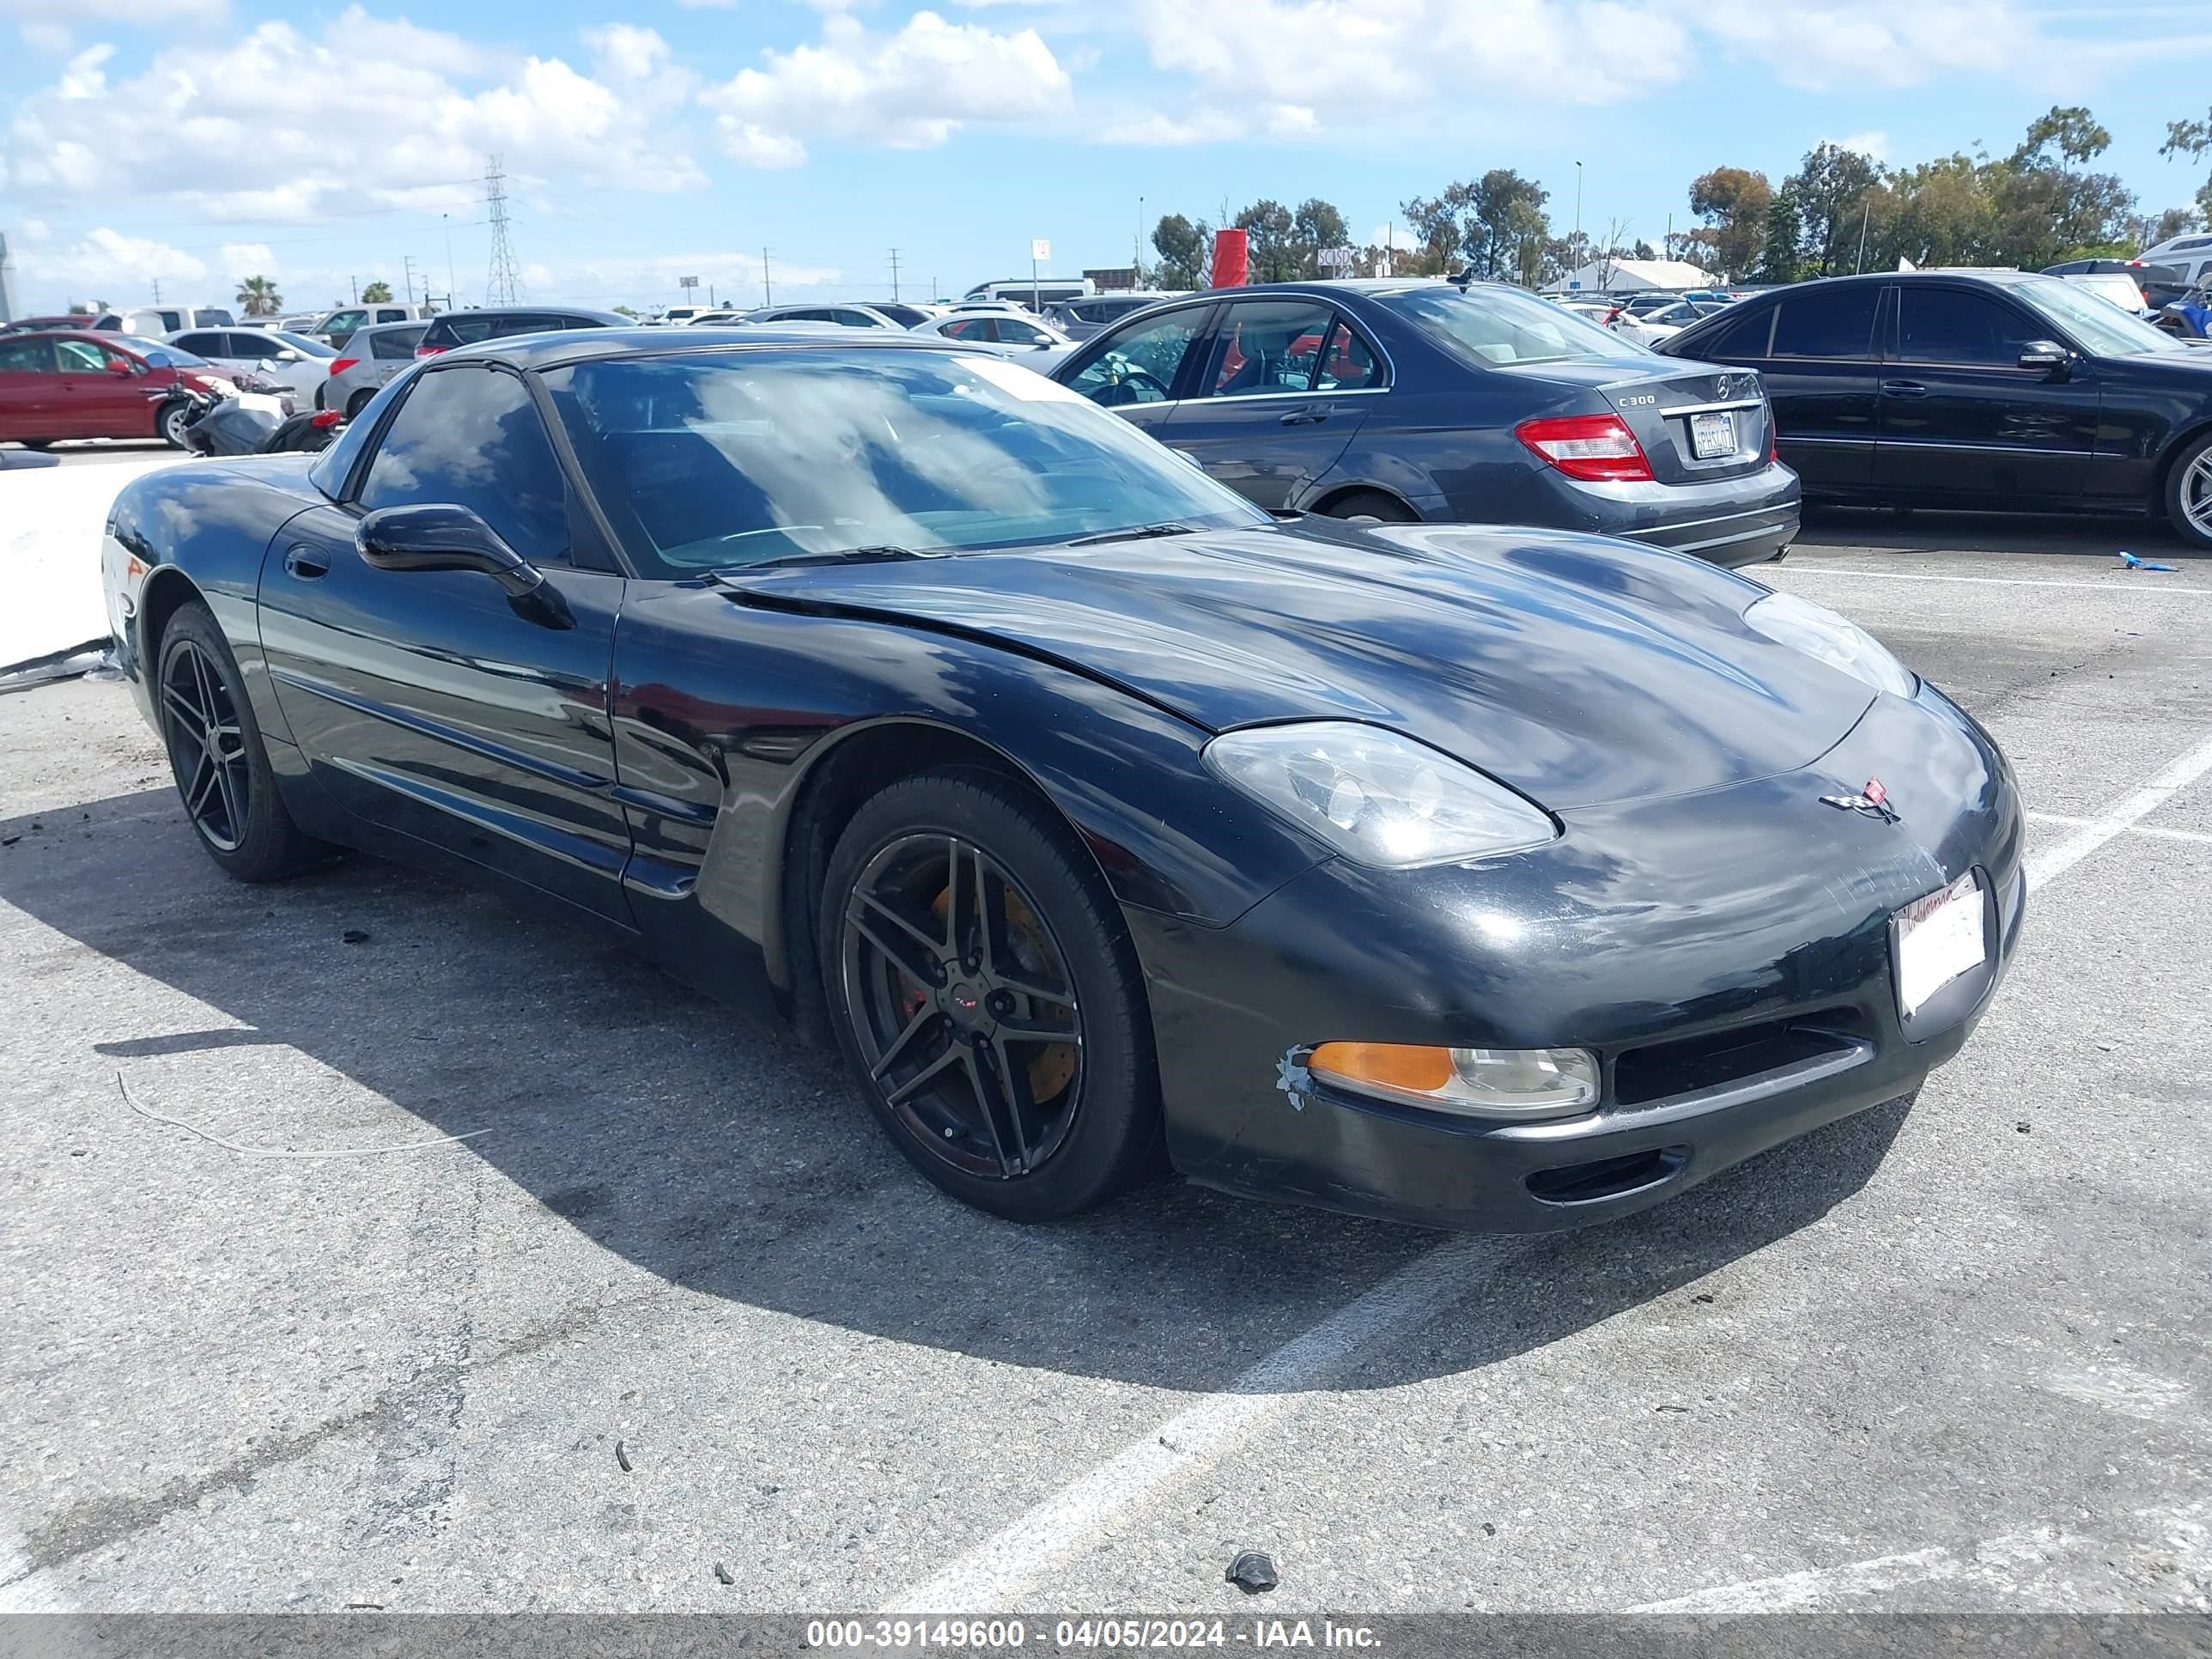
{"x":2046,"y":356}
{"x":118,"y":366}
{"x":438,"y":536}
{"x":287,"y":355}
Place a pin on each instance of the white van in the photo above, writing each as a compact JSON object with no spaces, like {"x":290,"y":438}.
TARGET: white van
{"x":2190,"y":255}
{"x":1035,"y":294}
{"x":159,"y":322}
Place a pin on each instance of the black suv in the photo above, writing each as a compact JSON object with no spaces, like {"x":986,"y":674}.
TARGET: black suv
{"x":2002,"y":390}
{"x":460,"y":328}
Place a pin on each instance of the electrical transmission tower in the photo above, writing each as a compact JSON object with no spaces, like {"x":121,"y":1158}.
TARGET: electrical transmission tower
{"x":504,"y":286}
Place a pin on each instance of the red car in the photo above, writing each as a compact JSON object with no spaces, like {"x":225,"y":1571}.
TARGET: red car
{"x":73,"y":383}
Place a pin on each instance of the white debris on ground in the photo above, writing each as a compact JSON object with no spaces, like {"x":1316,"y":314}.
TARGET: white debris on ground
{"x":51,"y":522}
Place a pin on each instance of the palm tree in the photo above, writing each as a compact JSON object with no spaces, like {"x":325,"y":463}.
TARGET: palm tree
{"x":259,"y":296}
{"x":376,"y":293}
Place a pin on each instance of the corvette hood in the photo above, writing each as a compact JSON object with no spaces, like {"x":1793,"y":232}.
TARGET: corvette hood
{"x":1578,"y":670}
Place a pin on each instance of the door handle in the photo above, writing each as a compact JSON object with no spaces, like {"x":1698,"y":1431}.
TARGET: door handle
{"x":307,"y":564}
{"x":1904,"y":389}
{"x":1308,"y":415}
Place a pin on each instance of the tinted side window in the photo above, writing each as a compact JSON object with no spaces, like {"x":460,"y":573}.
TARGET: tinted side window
{"x":1347,"y":365}
{"x":1827,"y":322}
{"x":27,"y":356}
{"x":202,"y":345}
{"x":506,"y":325}
{"x":470,"y":437}
{"x":395,"y":342}
{"x":1742,"y":337}
{"x":1267,"y":346}
{"x":1138,"y":365}
{"x":1013,"y":331}
{"x":1951,"y":326}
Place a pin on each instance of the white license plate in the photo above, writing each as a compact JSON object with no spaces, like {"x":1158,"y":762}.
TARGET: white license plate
{"x":1938,"y":939}
{"x":1712,"y":436}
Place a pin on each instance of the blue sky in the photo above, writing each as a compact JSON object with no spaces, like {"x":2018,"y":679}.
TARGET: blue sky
{"x":188,"y":142}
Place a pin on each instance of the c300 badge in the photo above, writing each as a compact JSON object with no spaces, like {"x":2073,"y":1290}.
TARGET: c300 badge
{"x":1872,"y":801}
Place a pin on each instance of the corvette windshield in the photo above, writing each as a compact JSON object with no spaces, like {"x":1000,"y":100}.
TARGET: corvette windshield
{"x":714,"y":459}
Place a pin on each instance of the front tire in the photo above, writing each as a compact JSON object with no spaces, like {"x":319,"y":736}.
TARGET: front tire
{"x":216,"y":755}
{"x":986,"y":992}
{"x":2189,"y":493}
{"x":169,"y":425}
{"x":359,"y":401}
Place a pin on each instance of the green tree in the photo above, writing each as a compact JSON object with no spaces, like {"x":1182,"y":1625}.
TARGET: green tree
{"x":1780,"y":260}
{"x":258,"y":296}
{"x":1830,"y":189}
{"x":1501,"y":210}
{"x":2194,"y":140}
{"x":376,"y":293}
{"x":1733,"y":203}
{"x":1435,"y":223}
{"x":1273,"y":241}
{"x":1314,"y":226}
{"x":2048,"y":206}
{"x":1182,"y":248}
{"x":619,"y":311}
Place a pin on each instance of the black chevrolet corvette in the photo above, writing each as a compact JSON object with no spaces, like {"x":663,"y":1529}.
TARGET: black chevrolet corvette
{"x":1477,"y":877}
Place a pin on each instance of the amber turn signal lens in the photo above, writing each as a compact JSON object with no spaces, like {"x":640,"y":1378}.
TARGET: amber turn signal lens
{"x":1385,"y":1065}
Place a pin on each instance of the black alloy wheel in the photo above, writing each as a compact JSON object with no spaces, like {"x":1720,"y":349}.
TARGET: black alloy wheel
{"x":985,"y":989}
{"x":207,"y":746}
{"x":216,"y":755}
{"x":961,"y":1006}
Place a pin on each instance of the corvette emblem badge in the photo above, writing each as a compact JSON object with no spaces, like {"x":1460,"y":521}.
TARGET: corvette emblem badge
{"x":1872,"y":801}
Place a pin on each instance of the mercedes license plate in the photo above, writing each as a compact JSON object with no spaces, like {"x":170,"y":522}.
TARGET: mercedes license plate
{"x":1712,"y":436}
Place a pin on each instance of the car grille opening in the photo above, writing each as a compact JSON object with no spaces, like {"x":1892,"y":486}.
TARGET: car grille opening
{"x":1690,"y":1064}
{"x":1606,"y":1177}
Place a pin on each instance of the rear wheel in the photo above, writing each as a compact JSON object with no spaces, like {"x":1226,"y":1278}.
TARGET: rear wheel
{"x":216,"y":755}
{"x":986,"y":992}
{"x":358,"y":402}
{"x":1371,"y":505}
{"x":2189,"y":493}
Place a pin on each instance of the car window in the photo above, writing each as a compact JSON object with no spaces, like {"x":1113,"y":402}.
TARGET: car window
{"x":2094,"y":325}
{"x":1745,"y":337}
{"x":1139,"y":364}
{"x":1491,"y":326}
{"x":1347,"y":365}
{"x":255,"y":346}
{"x":470,"y":436}
{"x":713,"y":460}
{"x":1014,"y":331}
{"x":80,"y":357}
{"x":503,"y":327}
{"x":306,"y":345}
{"x":396,"y":342}
{"x":1954,"y":325}
{"x":206,"y":345}
{"x":344,"y":322}
{"x":967,"y":328}
{"x":1264,"y":347}
{"x":1827,"y":322}
{"x":27,"y":356}
{"x":390,"y":314}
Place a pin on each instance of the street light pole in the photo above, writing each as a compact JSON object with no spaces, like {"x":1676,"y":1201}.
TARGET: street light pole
{"x":1578,"y":215}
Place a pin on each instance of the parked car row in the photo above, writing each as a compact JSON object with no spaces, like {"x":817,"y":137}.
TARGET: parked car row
{"x":80,"y":383}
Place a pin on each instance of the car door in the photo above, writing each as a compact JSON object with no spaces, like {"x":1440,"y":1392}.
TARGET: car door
{"x":210,"y":343}
{"x":29,"y":387}
{"x":1816,"y":349}
{"x":425,"y":700}
{"x":1274,"y":401}
{"x":102,"y":396}
{"x":1962,"y":422}
{"x":1138,"y":370}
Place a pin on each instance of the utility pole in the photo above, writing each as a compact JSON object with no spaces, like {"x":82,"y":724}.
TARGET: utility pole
{"x":895,"y":254}
{"x":767,"y":290}
{"x":1137,"y":248}
{"x":504,"y":286}
{"x":157,"y":290}
{"x":446,"y":219}
{"x":1577,"y":256}
{"x":407,"y":270}
{"x":1859,"y":264}
{"x":353,"y":287}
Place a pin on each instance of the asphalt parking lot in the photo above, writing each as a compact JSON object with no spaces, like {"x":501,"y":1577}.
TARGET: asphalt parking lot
{"x":676,"y":1313}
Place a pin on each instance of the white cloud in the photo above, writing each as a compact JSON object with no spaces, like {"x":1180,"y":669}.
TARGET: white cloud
{"x":706,"y":5}
{"x":107,"y":265}
{"x":280,"y":125}
{"x":138,"y":14}
{"x":1882,"y":43}
{"x":1874,"y":145}
{"x":251,"y":260}
{"x":911,"y":90}
{"x":1206,"y":126}
{"x":52,"y":38}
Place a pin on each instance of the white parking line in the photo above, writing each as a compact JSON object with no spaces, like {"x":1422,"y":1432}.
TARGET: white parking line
{"x":2048,"y":864}
{"x":2136,"y":583}
{"x":2061,"y":821}
{"x":994,"y":1573}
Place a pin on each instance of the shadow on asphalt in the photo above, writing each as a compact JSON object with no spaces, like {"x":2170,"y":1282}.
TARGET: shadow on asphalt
{"x":718,"y":1152}
{"x":1928,"y":531}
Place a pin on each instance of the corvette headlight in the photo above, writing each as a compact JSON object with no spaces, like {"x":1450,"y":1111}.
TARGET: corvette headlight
{"x":1836,"y":641}
{"x":1377,"y":797}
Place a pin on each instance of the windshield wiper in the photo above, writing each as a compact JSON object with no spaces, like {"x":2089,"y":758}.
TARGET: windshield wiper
{"x":877,"y":555}
{"x":1135,"y":533}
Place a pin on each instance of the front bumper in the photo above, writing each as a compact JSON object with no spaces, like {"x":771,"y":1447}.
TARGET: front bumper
{"x":1726,"y":954}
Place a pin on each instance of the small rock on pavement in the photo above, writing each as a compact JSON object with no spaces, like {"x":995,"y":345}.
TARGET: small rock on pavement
{"x":1252,"y":1572}
{"x":722,"y":1573}
{"x":355,"y":936}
